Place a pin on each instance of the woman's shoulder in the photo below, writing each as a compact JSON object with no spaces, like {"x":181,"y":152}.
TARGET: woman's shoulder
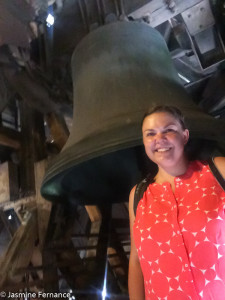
{"x":219,"y":162}
{"x":131,"y":199}
{"x":132,"y":192}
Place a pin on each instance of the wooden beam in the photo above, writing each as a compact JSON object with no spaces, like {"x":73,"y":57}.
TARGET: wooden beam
{"x":32,"y":148}
{"x":4,"y":183}
{"x":19,"y":252}
{"x":118,"y":262}
{"x":17,"y":204}
{"x":26,"y":165}
{"x":9,"y":185}
{"x":50,"y":277}
{"x":96,"y":219}
{"x":103,"y":241}
{"x":93,"y":213}
{"x":14,"y":188}
{"x":67,"y":260}
{"x":36,"y":261}
{"x":43,"y":206}
{"x":1,"y":227}
{"x":9,"y":142}
{"x":39,"y":138}
{"x":58,"y":129}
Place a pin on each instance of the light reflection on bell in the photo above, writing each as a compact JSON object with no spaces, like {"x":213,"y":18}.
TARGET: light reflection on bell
{"x":119,"y":71}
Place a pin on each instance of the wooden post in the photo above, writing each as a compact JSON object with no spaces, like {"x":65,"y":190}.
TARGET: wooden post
{"x":58,"y":129}
{"x":26,"y":166}
{"x":4,"y":183}
{"x":43,"y":206}
{"x":9,"y":185}
{"x":96,"y":219}
{"x":19,"y":252}
{"x":50,"y":276}
{"x":10,"y":137}
{"x":101,"y":255}
{"x":13,"y":181}
{"x":32,"y":148}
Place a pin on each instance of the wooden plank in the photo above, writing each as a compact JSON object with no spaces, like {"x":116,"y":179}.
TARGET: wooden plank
{"x":19,"y":252}
{"x":159,"y":12}
{"x":96,"y":220}
{"x":103,"y":242}
{"x":9,"y":142}
{"x":50,"y":276}
{"x":17,"y":204}
{"x":13,"y":181}
{"x":4,"y":183}
{"x":9,"y":185}
{"x":121,"y":258}
{"x":59,"y":235}
{"x":43,"y":206}
{"x":26,"y":165}
{"x":36,"y":261}
{"x":39,"y":136}
{"x":58,"y":129}
{"x":114,"y":260}
{"x":93,"y":213}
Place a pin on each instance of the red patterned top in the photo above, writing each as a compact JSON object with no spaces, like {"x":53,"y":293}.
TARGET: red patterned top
{"x":180,"y":237}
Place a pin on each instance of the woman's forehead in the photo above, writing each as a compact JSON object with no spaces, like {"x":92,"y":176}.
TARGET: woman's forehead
{"x":160,"y":118}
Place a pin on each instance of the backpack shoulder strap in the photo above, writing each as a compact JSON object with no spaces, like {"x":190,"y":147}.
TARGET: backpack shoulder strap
{"x":216,"y":173}
{"x":140,"y":189}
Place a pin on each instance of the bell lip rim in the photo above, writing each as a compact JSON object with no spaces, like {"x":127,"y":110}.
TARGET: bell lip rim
{"x":109,"y":148}
{"x":132,"y":141}
{"x":68,"y":158}
{"x":88,"y":156}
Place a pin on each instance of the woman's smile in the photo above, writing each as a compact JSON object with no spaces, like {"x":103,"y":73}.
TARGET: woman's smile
{"x":162,"y":150}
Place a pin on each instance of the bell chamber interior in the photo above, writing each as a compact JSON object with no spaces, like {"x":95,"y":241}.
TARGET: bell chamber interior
{"x":120,"y":71}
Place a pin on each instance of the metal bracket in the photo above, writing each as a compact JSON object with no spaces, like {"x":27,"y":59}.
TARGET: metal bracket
{"x":199,"y":17}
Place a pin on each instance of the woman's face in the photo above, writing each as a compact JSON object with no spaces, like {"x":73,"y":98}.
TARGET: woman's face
{"x":164,"y":139}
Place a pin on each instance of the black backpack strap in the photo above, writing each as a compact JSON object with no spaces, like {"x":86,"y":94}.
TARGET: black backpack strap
{"x":216,"y":173}
{"x":140,"y":189}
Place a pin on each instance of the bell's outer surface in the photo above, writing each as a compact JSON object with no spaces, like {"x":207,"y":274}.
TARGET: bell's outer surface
{"x":120,"y":71}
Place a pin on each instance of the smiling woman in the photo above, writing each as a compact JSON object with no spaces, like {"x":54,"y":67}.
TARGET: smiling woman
{"x":177,"y":235}
{"x":164,"y":139}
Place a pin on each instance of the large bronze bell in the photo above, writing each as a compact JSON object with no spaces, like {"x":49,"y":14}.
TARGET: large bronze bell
{"x":119,"y":71}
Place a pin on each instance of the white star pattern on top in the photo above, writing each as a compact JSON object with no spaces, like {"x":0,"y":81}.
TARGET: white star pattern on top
{"x":180,"y":237}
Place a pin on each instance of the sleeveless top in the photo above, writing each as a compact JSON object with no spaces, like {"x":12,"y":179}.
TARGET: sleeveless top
{"x":180,"y":237}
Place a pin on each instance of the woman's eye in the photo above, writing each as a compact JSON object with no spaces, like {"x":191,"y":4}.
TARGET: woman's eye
{"x":169,"y":130}
{"x":150,"y":134}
